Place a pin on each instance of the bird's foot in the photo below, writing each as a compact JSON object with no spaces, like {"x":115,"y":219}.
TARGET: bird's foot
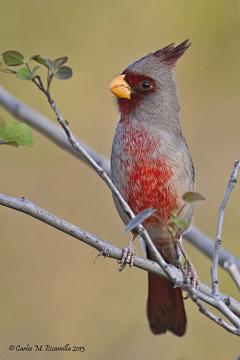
{"x":192,"y":277}
{"x":128,"y":255}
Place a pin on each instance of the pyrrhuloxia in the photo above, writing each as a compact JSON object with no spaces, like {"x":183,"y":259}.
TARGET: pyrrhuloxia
{"x":151,"y":167}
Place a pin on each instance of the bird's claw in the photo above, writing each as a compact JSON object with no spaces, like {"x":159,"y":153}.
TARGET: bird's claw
{"x":128,"y":256}
{"x":192,"y":277}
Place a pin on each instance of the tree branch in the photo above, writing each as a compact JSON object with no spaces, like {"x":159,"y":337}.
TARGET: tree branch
{"x":113,"y":251}
{"x":218,"y":241}
{"x":215,"y":318}
{"x":32,"y":118}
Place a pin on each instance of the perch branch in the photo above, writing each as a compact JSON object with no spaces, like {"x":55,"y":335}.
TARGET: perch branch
{"x":113,"y":251}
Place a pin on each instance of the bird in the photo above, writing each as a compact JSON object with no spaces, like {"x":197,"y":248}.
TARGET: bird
{"x":151,"y":167}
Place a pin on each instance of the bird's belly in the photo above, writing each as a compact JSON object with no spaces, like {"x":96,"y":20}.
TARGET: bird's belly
{"x":148,"y":184}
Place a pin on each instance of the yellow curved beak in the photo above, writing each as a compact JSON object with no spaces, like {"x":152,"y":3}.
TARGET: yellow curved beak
{"x":120,"y":88}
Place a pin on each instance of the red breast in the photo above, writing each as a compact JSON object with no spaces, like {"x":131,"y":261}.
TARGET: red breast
{"x":146,"y":171}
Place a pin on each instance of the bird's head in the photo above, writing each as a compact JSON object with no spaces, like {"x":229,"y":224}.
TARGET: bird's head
{"x":148,"y":80}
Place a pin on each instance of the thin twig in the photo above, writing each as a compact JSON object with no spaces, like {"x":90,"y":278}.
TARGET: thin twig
{"x":213,"y":317}
{"x":218,"y":241}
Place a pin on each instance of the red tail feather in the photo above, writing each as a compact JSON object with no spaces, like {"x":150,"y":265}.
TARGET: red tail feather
{"x":165,"y":309}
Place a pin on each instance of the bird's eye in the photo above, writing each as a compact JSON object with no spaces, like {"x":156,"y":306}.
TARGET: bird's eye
{"x":145,"y":85}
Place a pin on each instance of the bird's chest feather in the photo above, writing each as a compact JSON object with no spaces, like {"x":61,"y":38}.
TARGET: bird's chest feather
{"x":142,"y":169}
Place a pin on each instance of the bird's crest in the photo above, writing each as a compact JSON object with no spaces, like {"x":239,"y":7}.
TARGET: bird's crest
{"x":170,"y":54}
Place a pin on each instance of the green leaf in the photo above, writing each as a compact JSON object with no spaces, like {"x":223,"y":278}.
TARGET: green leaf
{"x":192,"y":196}
{"x":13,"y":58}
{"x":40,"y":60}
{"x":63,"y":73}
{"x":182,"y":223}
{"x":50,"y":65}
{"x":35,"y":69}
{"x":18,"y":132}
{"x":59,"y":62}
{"x":23,"y":74}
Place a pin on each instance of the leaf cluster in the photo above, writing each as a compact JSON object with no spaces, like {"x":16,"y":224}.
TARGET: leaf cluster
{"x":55,"y":68}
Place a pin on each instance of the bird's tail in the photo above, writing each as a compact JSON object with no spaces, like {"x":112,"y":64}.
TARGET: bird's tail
{"x":165,"y":309}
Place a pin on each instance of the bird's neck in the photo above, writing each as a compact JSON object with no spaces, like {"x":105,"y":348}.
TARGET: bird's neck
{"x":156,"y":111}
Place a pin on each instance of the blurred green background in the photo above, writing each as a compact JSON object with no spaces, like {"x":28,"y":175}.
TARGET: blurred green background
{"x":52,"y":292}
